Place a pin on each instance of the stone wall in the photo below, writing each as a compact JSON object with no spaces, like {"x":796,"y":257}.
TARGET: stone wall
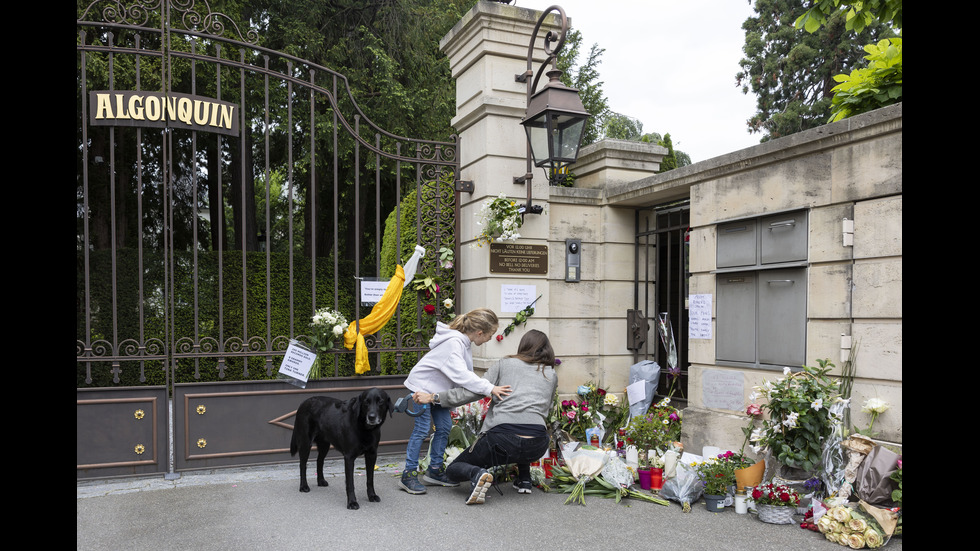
{"x":850,"y":170}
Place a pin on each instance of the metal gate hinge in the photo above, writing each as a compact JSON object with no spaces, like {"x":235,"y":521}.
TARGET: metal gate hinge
{"x":464,"y":185}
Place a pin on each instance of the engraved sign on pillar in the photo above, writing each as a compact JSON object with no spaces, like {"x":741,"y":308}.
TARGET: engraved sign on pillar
{"x":518,"y":259}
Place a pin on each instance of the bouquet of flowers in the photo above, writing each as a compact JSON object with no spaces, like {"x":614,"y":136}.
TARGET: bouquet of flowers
{"x":594,"y":408}
{"x":327,"y":326}
{"x":848,"y":526}
{"x":500,"y":218}
{"x":467,"y":420}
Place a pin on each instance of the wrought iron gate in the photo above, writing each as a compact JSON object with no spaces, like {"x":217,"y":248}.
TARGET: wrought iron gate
{"x":662,"y":258}
{"x":225,"y":192}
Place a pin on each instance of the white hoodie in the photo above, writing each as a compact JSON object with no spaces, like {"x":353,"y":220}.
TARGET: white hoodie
{"x":448,"y":364}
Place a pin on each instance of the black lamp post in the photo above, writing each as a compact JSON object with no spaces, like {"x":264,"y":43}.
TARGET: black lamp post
{"x":555,"y":117}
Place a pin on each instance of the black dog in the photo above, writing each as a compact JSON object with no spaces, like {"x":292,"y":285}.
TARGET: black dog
{"x":353,"y":427}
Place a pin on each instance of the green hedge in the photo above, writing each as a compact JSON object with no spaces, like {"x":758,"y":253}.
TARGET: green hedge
{"x":411,"y":315}
{"x":232,"y":325}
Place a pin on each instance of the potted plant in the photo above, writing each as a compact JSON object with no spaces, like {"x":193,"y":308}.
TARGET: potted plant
{"x":749,"y":472}
{"x":716,"y":476}
{"x":804,"y":410}
{"x":776,"y":503}
{"x":656,"y":430}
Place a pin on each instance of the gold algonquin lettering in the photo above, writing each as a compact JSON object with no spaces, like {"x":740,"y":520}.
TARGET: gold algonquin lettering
{"x":103,"y":109}
{"x":185,"y":111}
{"x":136,"y":107}
{"x":120,"y":110}
{"x":226,"y":113}
{"x":201,"y":109}
{"x":171,"y":108}
{"x":153,"y":109}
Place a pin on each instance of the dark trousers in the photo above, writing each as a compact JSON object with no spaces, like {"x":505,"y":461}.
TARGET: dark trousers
{"x":497,"y":448}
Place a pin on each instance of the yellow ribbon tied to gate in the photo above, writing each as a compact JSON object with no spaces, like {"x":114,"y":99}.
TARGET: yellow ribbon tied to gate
{"x":380,"y":314}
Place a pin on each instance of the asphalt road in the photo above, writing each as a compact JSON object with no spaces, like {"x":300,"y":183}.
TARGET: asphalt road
{"x":261,"y":508}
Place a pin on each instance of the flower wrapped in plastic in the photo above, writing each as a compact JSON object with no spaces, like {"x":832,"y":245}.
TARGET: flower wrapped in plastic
{"x":857,"y":525}
{"x":584,"y":465}
{"x":684,"y":487}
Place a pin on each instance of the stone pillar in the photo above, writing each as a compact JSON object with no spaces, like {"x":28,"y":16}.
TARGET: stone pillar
{"x":487,"y":49}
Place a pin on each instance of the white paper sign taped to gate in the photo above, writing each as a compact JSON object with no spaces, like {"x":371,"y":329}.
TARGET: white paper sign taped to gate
{"x":297,"y":361}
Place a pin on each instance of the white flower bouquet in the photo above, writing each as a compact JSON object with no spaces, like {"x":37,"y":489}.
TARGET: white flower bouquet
{"x":500,"y":218}
{"x":327,"y":328}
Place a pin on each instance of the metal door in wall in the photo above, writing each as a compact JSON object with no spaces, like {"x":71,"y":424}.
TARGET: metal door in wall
{"x":226,"y":192}
{"x":662,"y":257}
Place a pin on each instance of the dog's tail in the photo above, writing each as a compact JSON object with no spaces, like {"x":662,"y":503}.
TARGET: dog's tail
{"x":294,"y":441}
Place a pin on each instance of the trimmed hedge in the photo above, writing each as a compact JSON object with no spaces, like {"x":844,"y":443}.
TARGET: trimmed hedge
{"x":237,"y":329}
{"x":411,"y":315}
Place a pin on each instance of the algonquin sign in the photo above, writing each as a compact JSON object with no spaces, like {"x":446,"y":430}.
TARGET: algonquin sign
{"x":157,"y":110}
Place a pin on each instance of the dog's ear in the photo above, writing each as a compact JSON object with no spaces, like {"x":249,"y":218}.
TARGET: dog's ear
{"x":354,"y":405}
{"x":391,"y":413}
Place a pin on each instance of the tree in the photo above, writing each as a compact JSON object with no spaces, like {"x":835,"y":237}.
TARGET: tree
{"x":622,"y":127}
{"x":880,"y":83}
{"x":791,"y":71}
{"x":674,"y":158}
{"x":585,"y":78}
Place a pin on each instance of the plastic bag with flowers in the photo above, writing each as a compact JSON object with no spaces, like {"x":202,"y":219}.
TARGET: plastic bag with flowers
{"x":857,"y":525}
{"x":327,"y":327}
{"x":467,"y":421}
{"x":684,"y":487}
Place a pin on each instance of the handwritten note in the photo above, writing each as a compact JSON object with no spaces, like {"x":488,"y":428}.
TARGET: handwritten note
{"x":514,"y":298}
{"x":699,"y":317}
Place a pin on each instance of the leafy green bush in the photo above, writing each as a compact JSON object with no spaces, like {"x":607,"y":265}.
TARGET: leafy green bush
{"x":223,"y":329}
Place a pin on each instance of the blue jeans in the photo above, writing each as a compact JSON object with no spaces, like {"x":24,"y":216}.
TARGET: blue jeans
{"x":432,"y":415}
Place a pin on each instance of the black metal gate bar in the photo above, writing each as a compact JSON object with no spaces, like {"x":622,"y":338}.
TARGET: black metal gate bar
{"x":664,"y":264}
{"x":157,"y":295}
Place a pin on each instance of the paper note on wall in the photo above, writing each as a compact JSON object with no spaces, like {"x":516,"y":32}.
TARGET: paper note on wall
{"x":699,"y":317}
{"x":514,"y":298}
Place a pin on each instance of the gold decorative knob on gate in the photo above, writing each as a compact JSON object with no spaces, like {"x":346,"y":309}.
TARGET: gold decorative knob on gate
{"x":201,"y":409}
{"x":201,"y":442}
{"x":139,"y":414}
{"x":139,"y":449}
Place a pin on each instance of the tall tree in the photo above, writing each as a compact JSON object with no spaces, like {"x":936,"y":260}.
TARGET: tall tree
{"x":584,"y":76}
{"x":790,"y":71}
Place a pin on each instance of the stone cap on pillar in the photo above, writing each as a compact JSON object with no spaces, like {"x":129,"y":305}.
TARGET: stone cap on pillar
{"x":616,"y":161}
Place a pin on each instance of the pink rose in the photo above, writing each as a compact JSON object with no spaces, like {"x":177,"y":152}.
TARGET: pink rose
{"x":753,"y":410}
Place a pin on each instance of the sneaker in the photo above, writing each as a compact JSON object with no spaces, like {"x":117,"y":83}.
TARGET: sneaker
{"x":438,"y":477}
{"x":410,"y":483}
{"x":523,"y":486}
{"x":479,"y":484}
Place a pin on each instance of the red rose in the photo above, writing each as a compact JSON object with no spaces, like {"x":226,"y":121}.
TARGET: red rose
{"x":430,"y":309}
{"x":784,"y":496}
{"x":500,"y":338}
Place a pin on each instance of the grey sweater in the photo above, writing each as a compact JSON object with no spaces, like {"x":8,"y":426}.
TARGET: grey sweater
{"x":532,"y":392}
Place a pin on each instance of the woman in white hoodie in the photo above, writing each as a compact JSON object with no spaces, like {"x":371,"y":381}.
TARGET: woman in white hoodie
{"x":448,"y":364}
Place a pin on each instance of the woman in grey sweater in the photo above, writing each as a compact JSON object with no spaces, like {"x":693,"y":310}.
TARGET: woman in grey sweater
{"x":515,"y":428}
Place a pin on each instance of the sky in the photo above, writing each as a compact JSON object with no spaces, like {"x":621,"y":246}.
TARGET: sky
{"x":672,"y":65}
